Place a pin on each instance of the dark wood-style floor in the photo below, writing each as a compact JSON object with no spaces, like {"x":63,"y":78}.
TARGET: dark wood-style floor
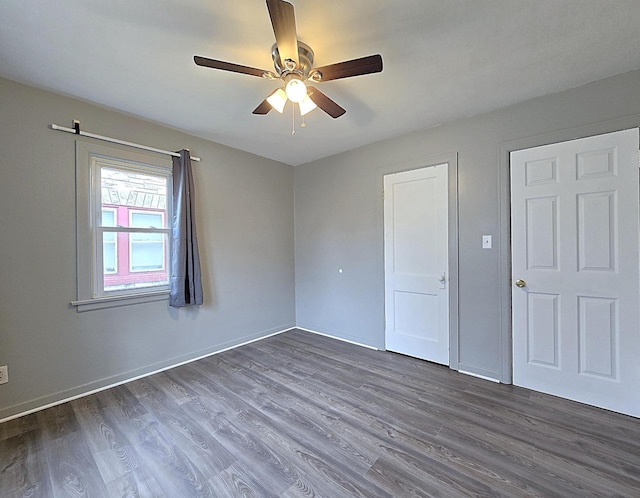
{"x":303,"y":415}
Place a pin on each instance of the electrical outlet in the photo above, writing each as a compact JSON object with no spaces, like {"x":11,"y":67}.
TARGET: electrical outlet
{"x":4,"y":374}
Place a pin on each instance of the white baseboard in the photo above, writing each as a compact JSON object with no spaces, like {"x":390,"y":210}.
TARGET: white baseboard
{"x":483,"y":377}
{"x":338,"y":338}
{"x":130,"y":379}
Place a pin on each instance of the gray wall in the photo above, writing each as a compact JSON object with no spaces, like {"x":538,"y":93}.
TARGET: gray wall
{"x":245,"y":226}
{"x":338,"y":216}
{"x":245,"y":213}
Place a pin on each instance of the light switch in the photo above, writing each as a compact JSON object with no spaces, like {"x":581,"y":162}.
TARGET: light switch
{"x":486,"y":241}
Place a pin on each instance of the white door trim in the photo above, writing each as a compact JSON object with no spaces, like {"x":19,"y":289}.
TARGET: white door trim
{"x":504,"y":241}
{"x":452,"y":161}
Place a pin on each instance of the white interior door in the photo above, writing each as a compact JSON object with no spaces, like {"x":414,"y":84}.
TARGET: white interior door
{"x":416,"y":263}
{"x":574,"y":227}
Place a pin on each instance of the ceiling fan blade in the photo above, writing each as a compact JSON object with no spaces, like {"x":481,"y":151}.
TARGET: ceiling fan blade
{"x":283,"y":20}
{"x":347,"y":69}
{"x":325,"y":103}
{"x":263,"y":108}
{"x":228,"y":66}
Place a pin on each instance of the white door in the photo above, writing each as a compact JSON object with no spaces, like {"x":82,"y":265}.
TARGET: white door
{"x":574,"y":228}
{"x":416,"y":263}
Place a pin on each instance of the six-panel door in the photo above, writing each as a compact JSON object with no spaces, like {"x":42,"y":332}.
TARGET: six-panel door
{"x":574,"y":216}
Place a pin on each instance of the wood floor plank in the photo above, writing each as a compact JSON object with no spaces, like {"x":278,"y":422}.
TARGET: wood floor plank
{"x":122,"y":398}
{"x":22,"y":469}
{"x":386,"y":444}
{"x":376,"y":370}
{"x":266,"y":409}
{"x":318,"y":459}
{"x":339,"y":393}
{"x":401,"y":483}
{"x":514,"y":465}
{"x":302,"y":415}
{"x":177,"y":475}
{"x":139,"y":483}
{"x":540,"y":437}
{"x":277,"y":403}
{"x":557,"y":441}
{"x":161,"y":457}
{"x":18,"y":426}
{"x":142,"y":387}
{"x":294,"y":492}
{"x":72,"y":469}
{"x":385,"y":363}
{"x":195,"y":441}
{"x":267,"y":462}
{"x":405,"y":446}
{"x":567,"y":417}
{"x":234,"y":482}
{"x":276,"y":436}
{"x":57,"y":421}
{"x":110,"y":448}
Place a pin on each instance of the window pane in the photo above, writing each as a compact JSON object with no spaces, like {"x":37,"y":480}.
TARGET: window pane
{"x":146,"y":220}
{"x":147,"y":266}
{"x":136,"y":191}
{"x":109,"y":242}
{"x":109,"y":254}
{"x":147,"y":256}
{"x":108,"y":218}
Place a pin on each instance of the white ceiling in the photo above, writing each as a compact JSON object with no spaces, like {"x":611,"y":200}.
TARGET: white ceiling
{"x":443,"y":60}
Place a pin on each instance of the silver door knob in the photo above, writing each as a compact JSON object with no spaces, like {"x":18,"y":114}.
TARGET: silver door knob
{"x":521,"y":283}
{"x":443,"y":281}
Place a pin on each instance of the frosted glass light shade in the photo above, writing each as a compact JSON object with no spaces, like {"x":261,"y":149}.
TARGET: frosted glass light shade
{"x":277,"y":100}
{"x":306,"y":105}
{"x":296,"y":90}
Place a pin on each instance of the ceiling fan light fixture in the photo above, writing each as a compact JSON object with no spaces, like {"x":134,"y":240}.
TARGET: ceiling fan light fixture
{"x":278,"y":99}
{"x":296,"y":90}
{"x":306,"y":105}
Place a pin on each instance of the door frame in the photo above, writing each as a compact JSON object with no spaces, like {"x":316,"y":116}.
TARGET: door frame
{"x":451,"y":160}
{"x":504,"y":240}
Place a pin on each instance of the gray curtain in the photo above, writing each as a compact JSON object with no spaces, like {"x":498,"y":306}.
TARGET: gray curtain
{"x":185,"y":287}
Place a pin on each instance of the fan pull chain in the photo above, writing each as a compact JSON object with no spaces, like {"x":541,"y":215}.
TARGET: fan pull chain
{"x":303,"y":125}
{"x":293,"y":120}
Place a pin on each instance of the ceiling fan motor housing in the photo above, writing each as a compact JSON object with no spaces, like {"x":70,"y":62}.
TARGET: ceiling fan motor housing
{"x":305,"y":56}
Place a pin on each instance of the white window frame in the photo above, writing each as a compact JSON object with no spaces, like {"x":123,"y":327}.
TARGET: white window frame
{"x":90,"y":268}
{"x":164,"y":240}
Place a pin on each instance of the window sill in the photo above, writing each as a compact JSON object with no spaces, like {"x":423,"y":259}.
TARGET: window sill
{"x":100,"y":303}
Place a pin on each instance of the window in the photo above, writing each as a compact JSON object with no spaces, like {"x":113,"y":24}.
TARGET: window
{"x":123,"y":208}
{"x":138,"y":194}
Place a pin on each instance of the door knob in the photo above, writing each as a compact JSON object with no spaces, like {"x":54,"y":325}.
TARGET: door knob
{"x":443,"y":281}
{"x":521,"y":283}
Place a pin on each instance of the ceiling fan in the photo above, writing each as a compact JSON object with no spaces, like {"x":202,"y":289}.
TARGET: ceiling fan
{"x":293,"y":62}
